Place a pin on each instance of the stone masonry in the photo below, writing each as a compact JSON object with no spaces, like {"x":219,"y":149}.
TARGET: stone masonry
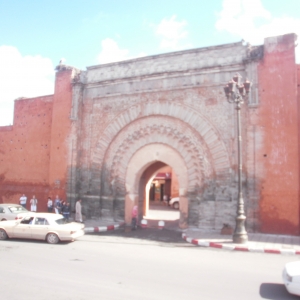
{"x":108,"y":130}
{"x":175,"y":99}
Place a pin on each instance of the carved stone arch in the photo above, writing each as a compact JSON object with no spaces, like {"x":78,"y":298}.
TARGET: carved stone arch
{"x":157,"y":129}
{"x":186,"y":114}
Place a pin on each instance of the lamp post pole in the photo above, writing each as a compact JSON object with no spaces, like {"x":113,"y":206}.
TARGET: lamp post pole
{"x":237,"y":92}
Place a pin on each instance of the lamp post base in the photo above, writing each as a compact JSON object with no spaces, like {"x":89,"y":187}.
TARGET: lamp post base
{"x":240,"y":238}
{"x":240,"y":235}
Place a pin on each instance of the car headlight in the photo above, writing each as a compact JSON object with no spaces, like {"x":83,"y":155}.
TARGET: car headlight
{"x":286,"y":276}
{"x":289,"y":278}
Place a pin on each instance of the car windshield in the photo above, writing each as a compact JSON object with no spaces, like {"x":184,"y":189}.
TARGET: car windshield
{"x":17,"y":209}
{"x":61,"y":221}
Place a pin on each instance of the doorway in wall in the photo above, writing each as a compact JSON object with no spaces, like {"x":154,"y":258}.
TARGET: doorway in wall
{"x":163,"y":187}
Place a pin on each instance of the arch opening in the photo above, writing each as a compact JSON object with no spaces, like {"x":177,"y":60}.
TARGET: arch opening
{"x":159,"y":190}
{"x":142,"y":169}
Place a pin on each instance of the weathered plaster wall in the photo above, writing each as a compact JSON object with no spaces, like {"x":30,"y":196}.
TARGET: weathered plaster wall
{"x":278,"y":156}
{"x":25,"y":151}
{"x":173,"y":99}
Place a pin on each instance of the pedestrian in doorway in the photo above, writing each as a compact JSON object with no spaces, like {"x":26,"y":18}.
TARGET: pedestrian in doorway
{"x":50,"y":205}
{"x":23,"y":200}
{"x":78,"y":213}
{"x":134,"y":218}
{"x":165,"y":199}
{"x":33,"y":203}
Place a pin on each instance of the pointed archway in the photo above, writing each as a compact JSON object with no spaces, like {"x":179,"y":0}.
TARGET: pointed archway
{"x":161,"y":187}
{"x":141,"y":168}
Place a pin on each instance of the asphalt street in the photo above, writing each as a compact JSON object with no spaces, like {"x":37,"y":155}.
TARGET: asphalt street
{"x":141,"y":264}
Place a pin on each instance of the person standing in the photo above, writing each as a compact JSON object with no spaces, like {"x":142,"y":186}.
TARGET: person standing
{"x":134,"y":214}
{"x":78,"y":214}
{"x":57,"y":205}
{"x":23,"y":200}
{"x":50,"y":205}
{"x":165,"y":199}
{"x":33,"y":203}
{"x":66,"y":210}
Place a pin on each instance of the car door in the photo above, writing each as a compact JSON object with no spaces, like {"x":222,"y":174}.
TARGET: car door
{"x":23,"y":228}
{"x":39,"y":228}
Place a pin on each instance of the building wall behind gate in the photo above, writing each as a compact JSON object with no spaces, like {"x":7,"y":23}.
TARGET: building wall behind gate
{"x":278,"y":116}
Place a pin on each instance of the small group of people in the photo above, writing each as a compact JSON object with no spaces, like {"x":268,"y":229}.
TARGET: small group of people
{"x":33,"y":202}
{"x":58,"y":206}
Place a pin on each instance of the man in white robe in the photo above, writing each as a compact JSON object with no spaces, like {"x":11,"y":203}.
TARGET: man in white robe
{"x":78,"y":214}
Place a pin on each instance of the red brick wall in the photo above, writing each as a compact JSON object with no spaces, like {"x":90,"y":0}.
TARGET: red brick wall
{"x":298,"y":101}
{"x":25,"y":151}
{"x":34,"y":151}
{"x":60,"y":133}
{"x":279,"y":155}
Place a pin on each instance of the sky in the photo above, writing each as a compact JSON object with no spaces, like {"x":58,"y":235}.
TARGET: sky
{"x":36,"y":34}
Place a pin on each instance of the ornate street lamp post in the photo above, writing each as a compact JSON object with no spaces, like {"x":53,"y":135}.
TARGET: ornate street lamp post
{"x":237,"y":92}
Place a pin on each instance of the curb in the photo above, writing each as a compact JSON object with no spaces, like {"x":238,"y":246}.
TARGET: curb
{"x":203,"y":243}
{"x":102,"y":228}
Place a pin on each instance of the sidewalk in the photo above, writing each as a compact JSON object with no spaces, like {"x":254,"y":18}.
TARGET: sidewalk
{"x":98,"y":225}
{"x":94,"y":223}
{"x":257,"y":242}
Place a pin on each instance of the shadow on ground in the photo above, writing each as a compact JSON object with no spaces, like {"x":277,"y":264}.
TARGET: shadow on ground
{"x":171,"y":232}
{"x":148,"y":234}
{"x":275,"y":291}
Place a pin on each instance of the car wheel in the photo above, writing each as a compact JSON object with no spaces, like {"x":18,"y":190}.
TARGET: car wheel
{"x":3,"y":234}
{"x":3,"y":220}
{"x":52,"y":238}
{"x":176,"y":205}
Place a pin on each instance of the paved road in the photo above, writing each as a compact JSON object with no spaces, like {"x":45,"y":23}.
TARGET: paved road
{"x":147,"y":264}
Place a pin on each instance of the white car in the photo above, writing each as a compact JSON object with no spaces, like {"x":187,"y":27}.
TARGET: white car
{"x":174,"y":202}
{"x":42,"y":226}
{"x":291,"y":277}
{"x":10,"y":211}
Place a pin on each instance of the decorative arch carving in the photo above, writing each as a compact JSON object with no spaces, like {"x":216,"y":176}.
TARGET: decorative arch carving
{"x":161,"y":130}
{"x":160,"y":122}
